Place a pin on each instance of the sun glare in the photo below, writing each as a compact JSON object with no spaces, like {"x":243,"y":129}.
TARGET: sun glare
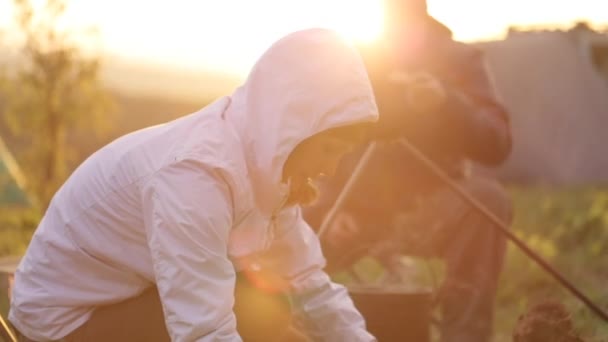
{"x":359,"y":21}
{"x":231,"y":34}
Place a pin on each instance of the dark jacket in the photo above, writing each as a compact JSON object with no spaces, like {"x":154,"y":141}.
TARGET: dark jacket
{"x":471,"y":125}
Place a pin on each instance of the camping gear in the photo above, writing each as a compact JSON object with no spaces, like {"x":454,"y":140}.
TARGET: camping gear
{"x":5,"y":332}
{"x":394,"y":313}
{"x":504,"y":229}
{"x":382,"y":308}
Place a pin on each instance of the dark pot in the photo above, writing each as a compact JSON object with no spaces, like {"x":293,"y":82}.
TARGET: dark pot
{"x":394,"y":314}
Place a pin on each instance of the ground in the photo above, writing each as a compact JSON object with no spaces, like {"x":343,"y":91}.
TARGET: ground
{"x":569,"y":227}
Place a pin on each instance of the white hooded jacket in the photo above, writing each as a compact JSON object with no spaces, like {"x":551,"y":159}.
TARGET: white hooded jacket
{"x":188,"y":203}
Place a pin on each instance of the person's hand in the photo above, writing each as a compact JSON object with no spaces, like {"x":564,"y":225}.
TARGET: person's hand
{"x":343,"y":232}
{"x":343,"y":243}
{"x":423,"y":92}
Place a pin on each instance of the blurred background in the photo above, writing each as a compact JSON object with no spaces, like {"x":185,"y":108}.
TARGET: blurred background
{"x":76,"y":74}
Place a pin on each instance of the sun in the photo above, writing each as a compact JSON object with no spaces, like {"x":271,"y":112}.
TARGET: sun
{"x":358,"y":21}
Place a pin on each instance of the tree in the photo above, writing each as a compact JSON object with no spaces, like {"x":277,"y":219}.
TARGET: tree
{"x":53,"y":91}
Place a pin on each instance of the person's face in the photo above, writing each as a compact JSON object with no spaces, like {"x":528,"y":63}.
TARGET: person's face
{"x":320,"y":154}
{"x":316,"y":156}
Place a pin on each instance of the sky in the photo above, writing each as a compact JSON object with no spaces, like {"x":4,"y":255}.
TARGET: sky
{"x":229,"y":35}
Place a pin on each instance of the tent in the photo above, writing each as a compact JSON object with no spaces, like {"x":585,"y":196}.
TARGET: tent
{"x":11,"y":181}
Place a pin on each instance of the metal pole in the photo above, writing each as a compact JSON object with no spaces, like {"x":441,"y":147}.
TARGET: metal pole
{"x":498,"y":223}
{"x":331,"y":214}
{"x":503,"y":228}
{"x":5,"y":332}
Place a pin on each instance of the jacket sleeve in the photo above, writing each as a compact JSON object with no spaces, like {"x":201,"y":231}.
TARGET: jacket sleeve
{"x":322,"y":309}
{"x":471,"y":123}
{"x":188,"y":216}
{"x":475,"y":120}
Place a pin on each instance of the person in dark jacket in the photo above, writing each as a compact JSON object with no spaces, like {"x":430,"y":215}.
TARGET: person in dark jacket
{"x":437,"y":93}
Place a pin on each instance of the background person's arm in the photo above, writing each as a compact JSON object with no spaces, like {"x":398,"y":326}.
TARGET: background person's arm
{"x":442,"y":98}
{"x":477,"y":125}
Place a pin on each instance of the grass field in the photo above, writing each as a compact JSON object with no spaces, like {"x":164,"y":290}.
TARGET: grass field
{"x":568,"y":227}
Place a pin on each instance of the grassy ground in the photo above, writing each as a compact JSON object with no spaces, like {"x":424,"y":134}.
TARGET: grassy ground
{"x":568,"y":227}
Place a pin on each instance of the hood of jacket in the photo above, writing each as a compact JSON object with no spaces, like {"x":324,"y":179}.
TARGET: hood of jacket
{"x":305,"y":83}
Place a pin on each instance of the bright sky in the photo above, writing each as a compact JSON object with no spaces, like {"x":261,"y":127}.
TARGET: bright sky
{"x":229,"y":35}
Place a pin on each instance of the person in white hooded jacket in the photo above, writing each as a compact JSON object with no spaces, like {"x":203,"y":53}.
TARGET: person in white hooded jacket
{"x":183,"y":206}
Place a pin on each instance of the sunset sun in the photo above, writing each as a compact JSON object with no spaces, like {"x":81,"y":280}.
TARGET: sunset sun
{"x":362,"y":22}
